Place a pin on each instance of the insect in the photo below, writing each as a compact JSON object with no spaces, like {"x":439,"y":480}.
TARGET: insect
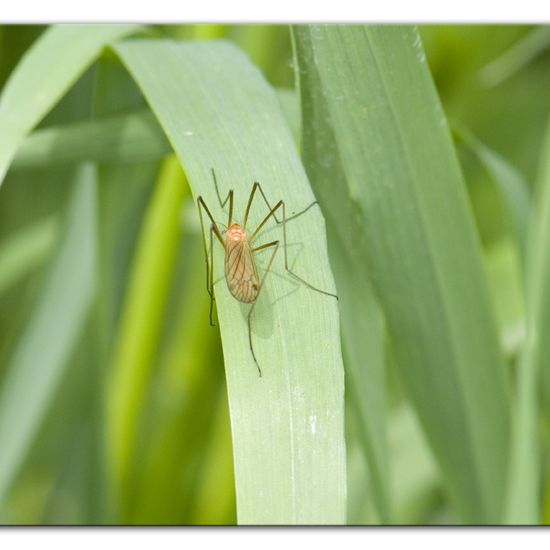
{"x":241,"y":273}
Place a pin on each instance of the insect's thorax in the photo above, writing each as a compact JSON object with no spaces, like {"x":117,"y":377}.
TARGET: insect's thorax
{"x":235,"y":234}
{"x":240,"y":270}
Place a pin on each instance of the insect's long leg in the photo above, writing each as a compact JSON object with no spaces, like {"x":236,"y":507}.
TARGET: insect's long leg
{"x":230,"y":197}
{"x":286,"y":261}
{"x":224,"y":202}
{"x":205,"y":247}
{"x":249,"y":204}
{"x":266,"y":219}
{"x":210,"y":277}
{"x":200,"y":202}
{"x":267,"y":245}
{"x":258,"y":185}
{"x":209,"y":261}
{"x":272,"y":213}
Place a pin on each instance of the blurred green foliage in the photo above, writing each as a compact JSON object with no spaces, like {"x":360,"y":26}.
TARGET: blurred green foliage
{"x":181,"y":460}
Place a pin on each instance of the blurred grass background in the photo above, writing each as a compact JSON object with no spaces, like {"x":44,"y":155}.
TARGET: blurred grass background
{"x":182,"y":471}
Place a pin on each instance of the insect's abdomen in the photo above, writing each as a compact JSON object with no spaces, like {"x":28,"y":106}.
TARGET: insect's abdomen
{"x":240,"y":271}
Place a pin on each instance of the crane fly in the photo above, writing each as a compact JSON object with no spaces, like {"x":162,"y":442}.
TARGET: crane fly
{"x":241,"y":273}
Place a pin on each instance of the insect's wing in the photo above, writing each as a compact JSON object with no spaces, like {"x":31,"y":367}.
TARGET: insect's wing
{"x":240,"y":272}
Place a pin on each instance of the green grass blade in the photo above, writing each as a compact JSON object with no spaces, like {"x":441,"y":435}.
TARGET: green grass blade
{"x":523,"y":489}
{"x":124,"y":138}
{"x":362,"y":324}
{"x":506,"y":285}
{"x":124,"y":191}
{"x":188,"y":381}
{"x":505,"y":260}
{"x":287,"y":427}
{"x":215,"y":501}
{"x":363,"y":341}
{"x":21,"y":252}
{"x":14,"y":41}
{"x":415,"y":480}
{"x":47,"y":342}
{"x":525,"y":50}
{"x":140,"y":327}
{"x":418,"y":237}
{"x":45,"y":73}
{"x":510,"y":184}
{"x":540,"y":298}
{"x":290,"y":103}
